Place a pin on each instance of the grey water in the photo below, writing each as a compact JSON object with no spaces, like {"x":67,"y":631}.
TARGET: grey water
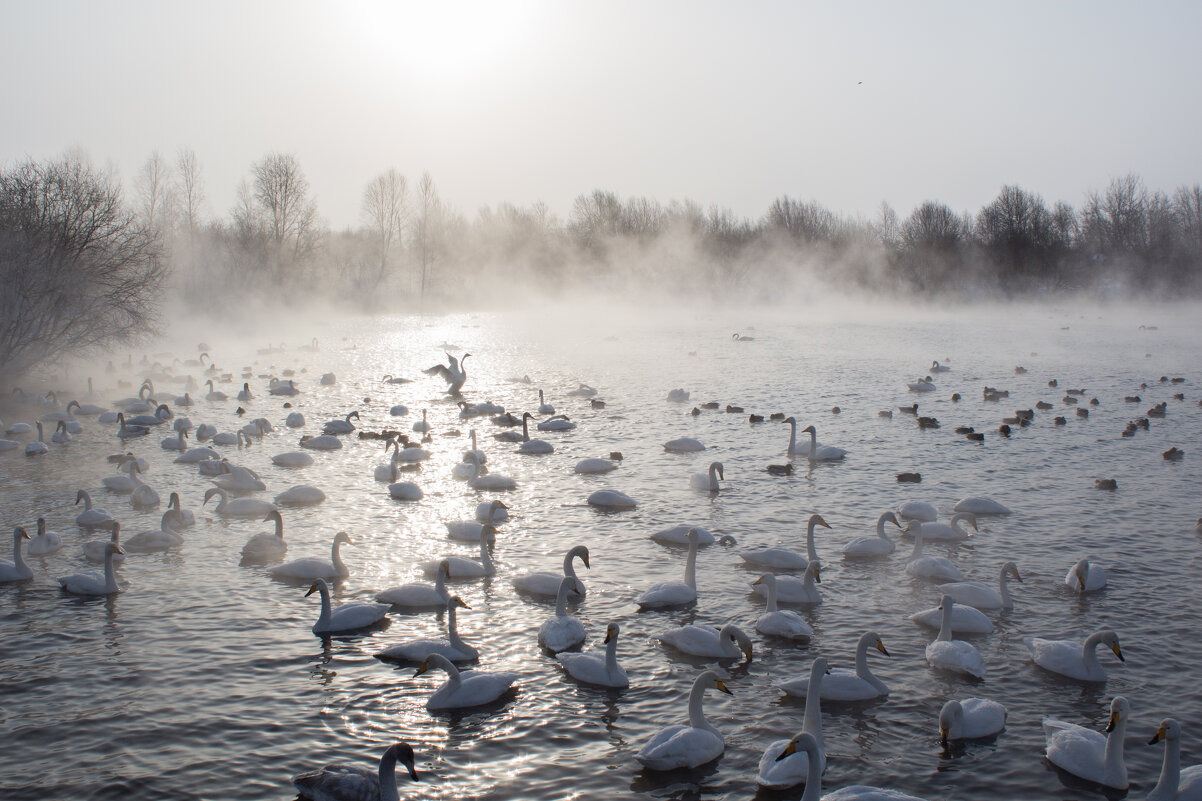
{"x":203,"y":680}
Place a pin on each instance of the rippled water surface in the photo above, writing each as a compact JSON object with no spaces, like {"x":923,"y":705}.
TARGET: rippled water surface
{"x":203,"y":679}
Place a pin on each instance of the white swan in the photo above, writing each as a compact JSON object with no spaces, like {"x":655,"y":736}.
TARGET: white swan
{"x":593,"y":466}
{"x":982,"y":596}
{"x":592,"y":668}
{"x":1087,"y":754}
{"x":805,"y":742}
{"x":956,"y":656}
{"x":267,"y":546}
{"x":970,"y":719}
{"x":822,"y":453}
{"x":453,"y":647}
{"x":674,"y":593}
{"x":783,"y":623}
{"x":467,"y":530}
{"x":45,"y":541}
{"x":295,"y":420}
{"x":492,"y":512}
{"x":93,"y":583}
{"x":931,"y":568}
{"x":777,"y":558}
{"x":611,"y":500}
{"x":582,"y":391}
{"x":779,"y":770}
{"x":563,"y":631}
{"x":215,"y":394}
{"x":936,"y":367}
{"x":980,"y":506}
{"x":185,"y":518}
{"x":460,"y":567}
{"x":345,"y":782}
{"x":404,"y":490}
{"x":1085,"y":576}
{"x":144,"y":497}
{"x":841,"y":684}
{"x":240,"y":479}
{"x":462,"y":690}
{"x":687,"y":746}
{"x":324,"y":442}
{"x":292,"y":459}
{"x":122,"y":483}
{"x":94,"y":551}
{"x":1175,"y":784}
{"x":945,"y":532}
{"x":873,"y":547}
{"x":341,"y":426}
{"x":921,"y":385}
{"x":38,"y":446}
{"x":389,"y":378}
{"x":423,"y":425}
{"x":679,"y":535}
{"x":965,"y":619}
{"x":489,"y":481}
{"x":300,"y":495}
{"x":556,"y":422}
{"x":543,"y":406}
{"x":160,"y":539}
{"x":796,"y":448}
{"x":238,"y":507}
{"x":708,"y":481}
{"x":347,"y":617}
{"x":792,"y":590}
{"x":921,"y":511}
{"x":194,"y":455}
{"x":312,"y":567}
{"x":454,"y":373}
{"x":728,"y":642}
{"x":684,"y":445}
{"x":245,"y":394}
{"x":529,"y":446}
{"x":1067,"y":658}
{"x":547,"y":584}
{"x":417,"y":595}
{"x":17,"y":569}
{"x":467,"y":455}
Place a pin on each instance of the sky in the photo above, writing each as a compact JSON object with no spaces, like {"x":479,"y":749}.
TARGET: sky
{"x":723,"y":103}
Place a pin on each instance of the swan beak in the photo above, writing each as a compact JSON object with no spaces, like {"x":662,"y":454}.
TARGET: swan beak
{"x":424,"y":667}
{"x":718,"y":683}
{"x":1117,"y":652}
{"x":585,"y":560}
{"x":461,"y":603}
{"x":747,"y":652}
{"x":760,"y":580}
{"x":312,"y":590}
{"x":1161,"y":733}
{"x":25,"y":534}
{"x":119,"y":550}
{"x":788,"y":751}
{"x":818,"y":575}
{"x":820,"y":521}
{"x":1114,"y":719}
{"x":609,"y":635}
{"x":1017,"y":577}
{"x":943,"y":735}
{"x":880,"y":646}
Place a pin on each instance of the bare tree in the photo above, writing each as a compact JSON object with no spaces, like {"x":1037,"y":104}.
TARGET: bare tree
{"x":285,"y":212}
{"x":77,"y":270}
{"x":385,"y":212}
{"x":190,"y":189}
{"x":154,"y":192}
{"x":427,"y":229}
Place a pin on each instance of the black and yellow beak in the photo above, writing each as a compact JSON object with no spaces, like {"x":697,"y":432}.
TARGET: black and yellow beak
{"x":1117,"y":652}
{"x":788,"y":751}
{"x":880,"y":646}
{"x":718,"y":683}
{"x":1160,"y":734}
{"x":312,"y":590}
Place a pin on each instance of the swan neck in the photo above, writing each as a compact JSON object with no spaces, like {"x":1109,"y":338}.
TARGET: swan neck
{"x":880,"y":529}
{"x":440,"y":583}
{"x":110,"y":575}
{"x":770,"y":603}
{"x":696,"y":714}
{"x":1004,"y":589}
{"x":18,"y":557}
{"x":323,"y":619}
{"x":792,"y":436}
{"x":813,"y":779}
{"x":525,"y":429}
{"x":453,"y":629}
{"x":485,"y":555}
{"x":690,"y":566}
{"x":917,"y":552}
{"x":611,"y":656}
{"x":561,"y":599}
{"x":336,"y":558}
{"x":1170,"y":773}
{"x":279,"y":527}
{"x":1114,"y":770}
{"x":811,"y":549}
{"x":1089,"y":653}
{"x":945,"y":625}
{"x":812,"y":722}
{"x":862,"y":660}
{"x":388,"y":788}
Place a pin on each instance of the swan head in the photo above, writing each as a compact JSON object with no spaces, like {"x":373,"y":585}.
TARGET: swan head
{"x":800,"y":742}
{"x":403,"y":752}
{"x":21,"y":534}
{"x":457,"y":603}
{"x":342,"y":536}
{"x":1081,"y":571}
{"x":691,"y":536}
{"x":790,"y":420}
{"x":318,"y":586}
{"x":949,"y":716}
{"x":112,"y":547}
{"x":1010,"y":569}
{"x":709,"y":679}
{"x":817,"y":520}
{"x":1119,"y":710}
{"x":444,"y":567}
{"x":732,"y":632}
{"x":580,"y":552}
{"x":611,"y":633}
{"x":768,"y":580}
{"x":969,"y":516}
{"x":1111,"y":639}
{"x":1169,"y":730}
{"x":889,"y":517}
{"x":946,"y":603}
{"x":875,"y":640}
{"x":809,"y":430}
{"x":209,"y":493}
{"x":815,"y":567}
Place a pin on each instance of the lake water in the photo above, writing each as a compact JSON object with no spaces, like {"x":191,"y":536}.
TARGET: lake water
{"x":203,"y":680}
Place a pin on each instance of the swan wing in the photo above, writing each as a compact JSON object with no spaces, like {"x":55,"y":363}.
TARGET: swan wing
{"x":680,"y":747}
{"x":1076,"y":749}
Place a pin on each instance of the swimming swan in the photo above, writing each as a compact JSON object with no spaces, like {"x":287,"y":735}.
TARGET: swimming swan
{"x":841,"y":684}
{"x":931,"y":568}
{"x":777,"y":558}
{"x":345,"y":782}
{"x":970,"y":719}
{"x":980,"y":506}
{"x":312,"y":568}
{"x":93,"y":583}
{"x":1087,"y":754}
{"x":44,"y":541}
{"x":547,"y":584}
{"x":17,"y":569}
{"x":592,"y":668}
{"x":956,"y":656}
{"x":163,"y":538}
{"x":783,"y":623}
{"x":417,"y":595}
{"x":981,"y":596}
{"x":948,"y":532}
{"x":238,"y":507}
{"x":347,"y":617}
{"x":461,"y":690}
{"x":708,"y":481}
{"x":463,"y":568}
{"x":780,"y":770}
{"x":1174,"y":784}
{"x":792,"y":590}
{"x":453,"y":647}
{"x":674,"y":593}
{"x":1085,"y":576}
{"x":873,"y":547}
{"x":265,"y":546}
{"x":563,"y":631}
{"x":1067,"y":658}
{"x":728,"y":642}
{"x":687,"y":746}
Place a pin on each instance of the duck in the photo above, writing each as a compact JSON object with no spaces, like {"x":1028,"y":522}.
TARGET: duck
{"x":970,"y":719}
{"x":93,"y":583}
{"x":956,"y":656}
{"x":674,"y":593}
{"x":1085,"y":576}
{"x":453,"y":647}
{"x":802,"y":590}
{"x":267,"y":546}
{"x":460,"y":567}
{"x":1075,"y":661}
{"x":708,"y":481}
{"x":840,"y":684}
{"x":873,"y":547}
{"x":418,"y":596}
{"x":601,"y":670}
{"x":778,"y":558}
{"x":238,"y":507}
{"x":311,"y":568}
{"x":563,"y":631}
{"x":981,"y":596}
{"x":462,"y":690}
{"x":17,"y":569}
{"x":684,"y":445}
{"x":779,"y":770}
{"x":1175,"y":783}
{"x":728,"y":642}
{"x":44,"y":541}
{"x":1088,"y":754}
{"x":948,"y":532}
{"x":547,"y":584}
{"x":980,"y":506}
{"x":784,"y":623}
{"x":347,"y":617}
{"x":162,"y":539}
{"x":687,"y":746}
{"x":931,"y":568}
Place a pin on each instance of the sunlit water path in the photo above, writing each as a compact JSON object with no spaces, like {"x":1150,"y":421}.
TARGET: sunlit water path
{"x":203,"y":679}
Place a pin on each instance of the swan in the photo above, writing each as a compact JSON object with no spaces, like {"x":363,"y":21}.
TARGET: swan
{"x":684,"y":445}
{"x":873,"y":547}
{"x":324,"y":442}
{"x":423,"y":425}
{"x":957,"y":656}
{"x":37,"y":447}
{"x":245,"y":394}
{"x":921,"y":385}
{"x":467,"y":455}
{"x":232,"y":438}
{"x":417,"y":595}
{"x":1085,"y":576}
{"x":463,"y":568}
{"x":295,"y":420}
{"x":455,"y":374}
{"x":777,"y":558}
{"x":61,"y":435}
{"x":981,"y":596}
{"x":468,"y":530}
{"x":840,"y":684}
{"x":558,"y":422}
{"x":783,"y":623}
{"x":95,"y":551}
{"x":156,"y":540}
{"x":687,"y":746}
{"x":278,"y":387}
{"x":453,"y":648}
{"x":312,"y":567}
{"x":240,"y":479}
{"x":411,"y":454}
{"x":389,"y":378}
{"x":300,"y":495}
{"x":944,"y":532}
{"x":779,"y":770}
{"x":489,"y":481}
{"x":1087,"y":754}
{"x":532,"y":446}
{"x":461,"y":690}
{"x":611,"y":500}
{"x":797,"y":448}
{"x":547,"y":584}
{"x":215,"y":394}
{"x":918,"y":510}
{"x":10,"y":444}
{"x":822,"y":453}
{"x":564,"y":631}
{"x":980,"y":506}
{"x":93,"y":583}
{"x":936,"y":367}
{"x":728,"y":642}
{"x":679,"y":535}
{"x":805,"y":742}
{"x":292,"y":459}
{"x":184,"y":517}
{"x":593,"y":466}
{"x":347,"y":617}
{"x":205,"y":431}
{"x":592,"y":668}
{"x":674,"y":593}
{"x":543,"y":406}
{"x":932,"y":568}
{"x":791,"y":590}
{"x":678,"y":395}
{"x":492,"y":512}
{"x":1174,"y":784}
{"x":238,"y":507}
{"x":18,"y":428}
{"x":1068,"y":658}
{"x":965,"y":619}
{"x":213,"y":467}
{"x":404,"y":490}
{"x":708,"y":481}
{"x":341,"y":426}
{"x":265,"y":546}
{"x":16,"y":570}
{"x":582,"y":391}
{"x":122,"y":483}
{"x":86,"y":409}
{"x":970,"y":719}
{"x":144,"y":497}
{"x":46,"y":541}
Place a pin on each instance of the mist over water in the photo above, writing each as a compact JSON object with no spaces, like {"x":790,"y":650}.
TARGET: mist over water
{"x":204,"y":680}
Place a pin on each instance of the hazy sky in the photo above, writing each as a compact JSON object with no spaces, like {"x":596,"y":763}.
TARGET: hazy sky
{"x":726,"y":103}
